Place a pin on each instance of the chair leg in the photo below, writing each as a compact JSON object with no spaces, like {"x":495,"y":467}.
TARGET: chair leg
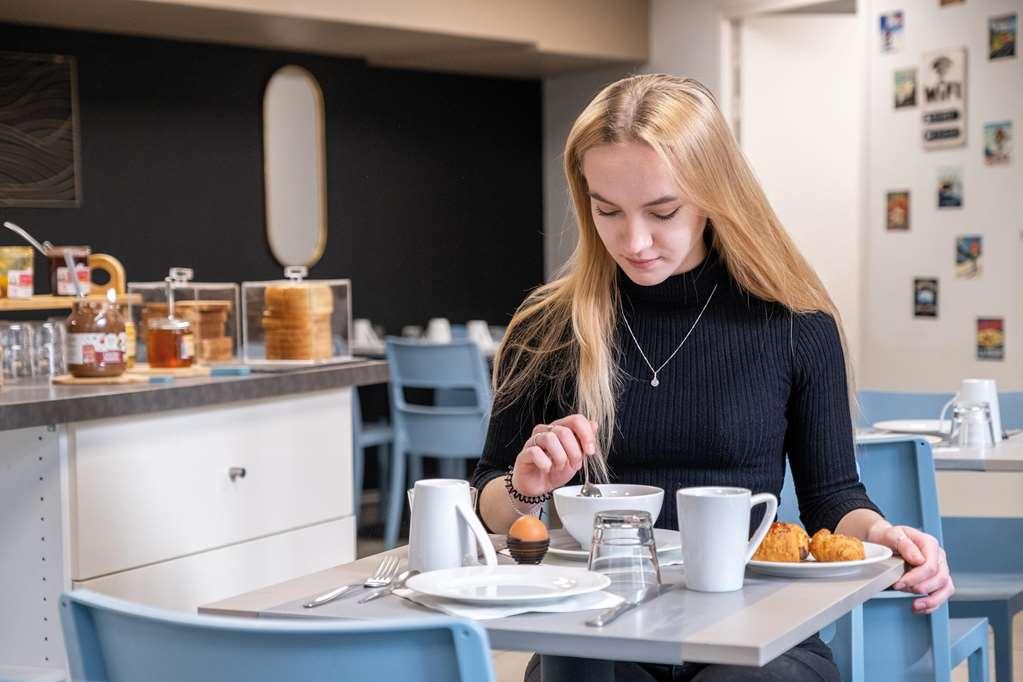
{"x":383,"y":469}
{"x":358,"y":474}
{"x":978,"y":664}
{"x":415,"y":468}
{"x":396,"y":497}
{"x":1001,"y":623}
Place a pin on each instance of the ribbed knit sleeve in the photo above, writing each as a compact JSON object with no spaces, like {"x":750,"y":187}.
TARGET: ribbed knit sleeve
{"x":819,"y":438}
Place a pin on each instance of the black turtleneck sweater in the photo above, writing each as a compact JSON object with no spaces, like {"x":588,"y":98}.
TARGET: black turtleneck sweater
{"x":753,"y":384}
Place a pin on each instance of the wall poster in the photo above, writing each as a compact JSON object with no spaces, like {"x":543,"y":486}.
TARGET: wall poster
{"x":1002,"y":37}
{"x":891,"y":26}
{"x":997,"y":142}
{"x":897,"y":211}
{"x":990,"y":338}
{"x":925,"y":297}
{"x":950,"y":187}
{"x":968,"y":255}
{"x":943,"y":98}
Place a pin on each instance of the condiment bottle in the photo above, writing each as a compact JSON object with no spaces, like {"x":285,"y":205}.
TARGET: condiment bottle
{"x":96,"y":339}
{"x":170,"y":341}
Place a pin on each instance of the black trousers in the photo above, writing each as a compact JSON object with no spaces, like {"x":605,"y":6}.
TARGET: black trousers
{"x":810,"y":660}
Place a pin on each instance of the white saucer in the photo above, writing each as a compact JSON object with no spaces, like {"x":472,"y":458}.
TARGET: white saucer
{"x":822,"y":569}
{"x":933,"y":426}
{"x":510,"y":584}
{"x":564,"y":545}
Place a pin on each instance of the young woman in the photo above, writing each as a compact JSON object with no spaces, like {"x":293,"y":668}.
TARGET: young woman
{"x":687,"y":343}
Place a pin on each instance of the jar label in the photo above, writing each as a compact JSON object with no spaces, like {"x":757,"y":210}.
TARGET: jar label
{"x":65,"y":287}
{"x":187,"y":350}
{"x":19,"y":284}
{"x":96,"y":349}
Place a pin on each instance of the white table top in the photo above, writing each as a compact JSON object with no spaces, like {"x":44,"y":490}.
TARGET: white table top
{"x":1006,"y":456}
{"x":749,"y":627}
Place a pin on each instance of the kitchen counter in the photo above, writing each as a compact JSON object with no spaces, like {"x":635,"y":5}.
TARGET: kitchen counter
{"x":27,"y":404}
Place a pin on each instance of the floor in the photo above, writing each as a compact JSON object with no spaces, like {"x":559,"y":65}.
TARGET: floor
{"x":510,"y":665}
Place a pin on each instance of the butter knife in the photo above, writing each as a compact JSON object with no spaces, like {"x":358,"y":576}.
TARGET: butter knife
{"x":649,"y":594}
{"x":328,"y":597}
{"x":398,"y":584}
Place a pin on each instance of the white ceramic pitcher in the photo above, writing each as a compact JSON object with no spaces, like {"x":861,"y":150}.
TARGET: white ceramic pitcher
{"x":444,"y":529}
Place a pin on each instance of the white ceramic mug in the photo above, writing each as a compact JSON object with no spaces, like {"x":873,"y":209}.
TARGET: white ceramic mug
{"x":362,"y":332}
{"x":478,"y":332}
{"x":438,"y":330}
{"x":979,"y":391}
{"x":444,"y":529}
{"x":714,"y":527}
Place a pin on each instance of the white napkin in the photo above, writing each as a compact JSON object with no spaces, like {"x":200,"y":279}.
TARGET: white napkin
{"x":583,"y":602}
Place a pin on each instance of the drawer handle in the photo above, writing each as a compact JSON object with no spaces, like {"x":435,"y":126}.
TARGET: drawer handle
{"x":234,"y":473}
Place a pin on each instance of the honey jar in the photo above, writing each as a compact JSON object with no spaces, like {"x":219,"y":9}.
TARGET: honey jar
{"x":170,"y":340}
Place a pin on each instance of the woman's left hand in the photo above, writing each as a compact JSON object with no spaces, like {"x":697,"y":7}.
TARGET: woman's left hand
{"x":929,"y":573}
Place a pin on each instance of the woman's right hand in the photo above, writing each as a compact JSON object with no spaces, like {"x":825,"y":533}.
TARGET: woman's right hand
{"x":553,"y":454}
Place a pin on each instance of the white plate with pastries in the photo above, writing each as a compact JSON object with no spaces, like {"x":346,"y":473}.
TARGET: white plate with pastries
{"x":809,"y":568}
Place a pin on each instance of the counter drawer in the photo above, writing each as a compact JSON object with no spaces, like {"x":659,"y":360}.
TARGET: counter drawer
{"x":153,"y":487}
{"x":185,"y":584}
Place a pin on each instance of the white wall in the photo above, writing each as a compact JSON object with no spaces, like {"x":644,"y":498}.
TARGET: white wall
{"x":802,"y":133}
{"x":903,"y":352}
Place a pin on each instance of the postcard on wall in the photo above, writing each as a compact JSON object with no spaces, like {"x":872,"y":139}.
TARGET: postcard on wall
{"x":925,"y":297}
{"x":950,"y":187}
{"x":946,"y":3}
{"x":891,"y":25}
{"x":997,"y":142}
{"x":905,"y":88}
{"x":1002,"y":36}
{"x":990,"y":338}
{"x":943,"y":98}
{"x":897,"y":211}
{"x":968,"y":253}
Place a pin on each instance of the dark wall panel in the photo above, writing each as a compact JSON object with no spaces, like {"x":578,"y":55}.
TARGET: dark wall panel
{"x":434,"y":181}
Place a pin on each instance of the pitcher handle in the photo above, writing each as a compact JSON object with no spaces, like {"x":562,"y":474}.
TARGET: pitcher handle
{"x":489,"y":555}
{"x":772,"y":508}
{"x":941,"y":417}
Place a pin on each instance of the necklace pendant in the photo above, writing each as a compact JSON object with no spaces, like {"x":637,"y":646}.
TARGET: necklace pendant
{"x":655,"y":382}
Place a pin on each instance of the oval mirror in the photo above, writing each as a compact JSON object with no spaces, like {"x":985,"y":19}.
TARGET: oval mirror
{"x":294,"y":167}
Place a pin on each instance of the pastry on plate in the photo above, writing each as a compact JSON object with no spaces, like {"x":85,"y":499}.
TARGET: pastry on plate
{"x":783,"y":542}
{"x":826,"y":546}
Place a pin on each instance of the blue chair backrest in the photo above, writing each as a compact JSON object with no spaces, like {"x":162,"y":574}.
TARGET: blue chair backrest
{"x":454,"y":369}
{"x":899,"y":477}
{"x":878,"y":406}
{"x":113,"y":640}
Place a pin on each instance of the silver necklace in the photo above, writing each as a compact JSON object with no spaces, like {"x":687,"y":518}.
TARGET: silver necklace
{"x":654,"y":381}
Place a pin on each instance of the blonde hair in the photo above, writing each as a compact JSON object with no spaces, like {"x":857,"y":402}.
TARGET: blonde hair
{"x":563,"y":334}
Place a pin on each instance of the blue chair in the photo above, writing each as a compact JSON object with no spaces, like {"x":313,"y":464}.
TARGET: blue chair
{"x":899,"y":476}
{"x":377,"y":435}
{"x":986,"y":558}
{"x":110,"y":640}
{"x":878,"y":406}
{"x":452,"y":433}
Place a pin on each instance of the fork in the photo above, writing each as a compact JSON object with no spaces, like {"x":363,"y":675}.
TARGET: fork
{"x":382,"y":577}
{"x":588,"y":489}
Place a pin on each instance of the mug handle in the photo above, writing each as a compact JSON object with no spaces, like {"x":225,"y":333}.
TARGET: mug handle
{"x":489,"y":555}
{"x":772,"y":508}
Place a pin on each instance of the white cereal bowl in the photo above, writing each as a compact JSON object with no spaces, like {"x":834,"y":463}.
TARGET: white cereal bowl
{"x":577,"y":512}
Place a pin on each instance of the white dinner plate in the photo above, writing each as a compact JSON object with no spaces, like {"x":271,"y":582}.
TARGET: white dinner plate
{"x":564,"y":545}
{"x":915,"y":425}
{"x":518,"y":584}
{"x":822,"y":569}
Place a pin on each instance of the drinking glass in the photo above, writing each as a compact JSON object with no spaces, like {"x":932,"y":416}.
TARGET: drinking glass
{"x":624,"y":549}
{"x":972,"y":425}
{"x":50,"y":349}
{"x":16,"y":340}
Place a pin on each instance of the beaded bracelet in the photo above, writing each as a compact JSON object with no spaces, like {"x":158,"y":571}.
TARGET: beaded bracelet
{"x":527,"y":499}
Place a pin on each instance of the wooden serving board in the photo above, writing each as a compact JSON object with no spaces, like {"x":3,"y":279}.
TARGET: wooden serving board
{"x":144,"y":370}
{"x":68,"y":380}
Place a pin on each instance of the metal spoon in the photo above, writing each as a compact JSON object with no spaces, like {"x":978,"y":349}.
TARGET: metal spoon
{"x":588,"y":489}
